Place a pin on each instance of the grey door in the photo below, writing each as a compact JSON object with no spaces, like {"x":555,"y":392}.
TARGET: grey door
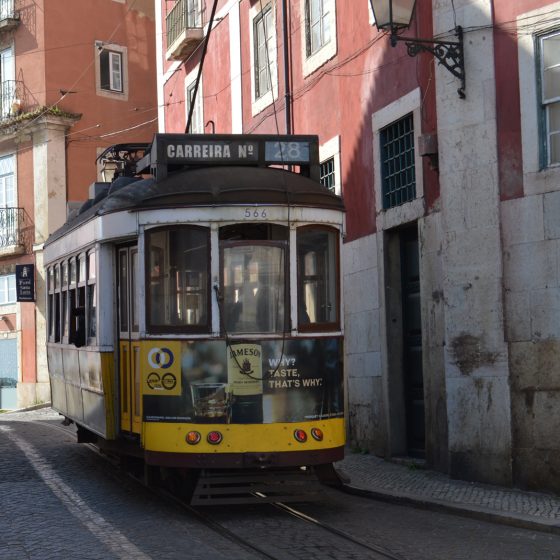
{"x":412,"y":343}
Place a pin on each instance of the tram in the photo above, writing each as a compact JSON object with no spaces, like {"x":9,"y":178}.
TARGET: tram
{"x":194,"y":307}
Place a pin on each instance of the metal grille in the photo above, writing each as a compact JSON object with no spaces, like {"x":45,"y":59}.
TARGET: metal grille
{"x":397,"y":162}
{"x":327,"y":174}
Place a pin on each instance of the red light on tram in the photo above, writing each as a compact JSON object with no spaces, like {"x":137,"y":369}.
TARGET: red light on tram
{"x":300,"y":436}
{"x":317,"y":434}
{"x":214,"y":438}
{"x":193,"y":438}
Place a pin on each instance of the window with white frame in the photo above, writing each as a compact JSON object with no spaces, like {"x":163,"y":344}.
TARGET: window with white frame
{"x":197,"y":119}
{"x":263,"y":28}
{"x":318,"y":30}
{"x":7,"y":289}
{"x":329,"y":157}
{"x":318,"y":25}
{"x":7,"y":182}
{"x":111,"y":70}
{"x":549,"y":61}
{"x":264,"y":86}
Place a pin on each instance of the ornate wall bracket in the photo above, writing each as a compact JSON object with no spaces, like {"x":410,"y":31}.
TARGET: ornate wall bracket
{"x":448,"y":53}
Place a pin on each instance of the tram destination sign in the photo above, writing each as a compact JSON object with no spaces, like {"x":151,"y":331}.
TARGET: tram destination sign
{"x":202,"y":149}
{"x":212,"y":151}
{"x":25,"y":282}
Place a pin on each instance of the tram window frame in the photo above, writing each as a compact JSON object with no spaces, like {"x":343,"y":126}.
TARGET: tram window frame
{"x":204,"y":327}
{"x":91,"y":298}
{"x":304,"y":323}
{"x":51,"y":309}
{"x":56,"y":311}
{"x":72,"y":298}
{"x":78,"y":336}
{"x":65,"y":310}
{"x":279,"y":243}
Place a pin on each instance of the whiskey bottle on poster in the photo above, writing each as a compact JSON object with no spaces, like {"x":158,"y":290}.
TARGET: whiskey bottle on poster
{"x":245,"y":383}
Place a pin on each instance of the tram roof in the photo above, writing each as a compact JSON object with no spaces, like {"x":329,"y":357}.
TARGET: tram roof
{"x":209,"y":186}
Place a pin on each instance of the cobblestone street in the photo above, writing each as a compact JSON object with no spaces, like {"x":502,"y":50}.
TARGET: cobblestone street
{"x":62,"y":501}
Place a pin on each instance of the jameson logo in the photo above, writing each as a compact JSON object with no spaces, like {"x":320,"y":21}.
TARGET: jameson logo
{"x":245,"y":369}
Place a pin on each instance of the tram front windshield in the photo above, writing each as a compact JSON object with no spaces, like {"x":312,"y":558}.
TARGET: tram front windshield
{"x":254,"y":287}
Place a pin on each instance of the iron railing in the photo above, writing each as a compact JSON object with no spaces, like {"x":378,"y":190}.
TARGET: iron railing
{"x":11,"y":98}
{"x":11,"y":220}
{"x":186,"y":14}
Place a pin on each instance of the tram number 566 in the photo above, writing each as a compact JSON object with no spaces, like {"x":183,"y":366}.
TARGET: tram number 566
{"x":255,"y":213}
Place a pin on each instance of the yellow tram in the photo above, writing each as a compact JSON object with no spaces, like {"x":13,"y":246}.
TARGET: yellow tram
{"x":194,"y":308}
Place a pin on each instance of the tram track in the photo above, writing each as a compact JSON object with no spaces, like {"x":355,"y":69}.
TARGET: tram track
{"x":206,"y":516}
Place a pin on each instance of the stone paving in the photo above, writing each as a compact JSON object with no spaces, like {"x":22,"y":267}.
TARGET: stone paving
{"x":370,"y":473}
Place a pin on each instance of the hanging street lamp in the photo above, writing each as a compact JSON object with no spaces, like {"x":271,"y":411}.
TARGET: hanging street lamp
{"x":394,"y":15}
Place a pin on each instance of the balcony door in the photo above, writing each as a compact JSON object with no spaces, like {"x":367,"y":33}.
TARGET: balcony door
{"x":7,"y":81}
{"x":8,"y":211}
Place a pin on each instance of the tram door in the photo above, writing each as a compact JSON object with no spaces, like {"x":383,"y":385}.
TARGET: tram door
{"x":129,"y":344}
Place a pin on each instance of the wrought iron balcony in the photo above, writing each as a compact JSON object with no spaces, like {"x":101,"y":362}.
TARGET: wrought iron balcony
{"x":184,"y":29}
{"x":11,"y":98}
{"x":9,"y":17}
{"x":11,"y":222}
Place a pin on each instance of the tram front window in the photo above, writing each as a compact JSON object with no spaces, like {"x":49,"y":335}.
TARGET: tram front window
{"x":317,"y":277}
{"x":177,"y":278}
{"x":254,"y":287}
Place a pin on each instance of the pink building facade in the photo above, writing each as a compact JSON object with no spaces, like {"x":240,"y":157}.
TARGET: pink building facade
{"x":451,"y":276}
{"x":75,"y":78}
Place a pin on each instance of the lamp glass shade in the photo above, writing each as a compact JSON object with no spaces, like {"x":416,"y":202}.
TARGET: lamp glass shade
{"x":401,"y":13}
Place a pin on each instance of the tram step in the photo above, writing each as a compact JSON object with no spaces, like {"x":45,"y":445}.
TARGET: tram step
{"x":255,"y":486}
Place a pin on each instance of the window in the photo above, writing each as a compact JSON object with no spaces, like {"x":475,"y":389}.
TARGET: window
{"x":7,"y":289}
{"x":264,"y":84}
{"x":317,"y":258}
{"x":7,"y":182}
{"x":254,"y":278}
{"x":7,"y":81}
{"x":177,"y":279}
{"x":197,"y":121}
{"x":550,"y":97}
{"x":327,"y":174}
{"x":397,"y":162}
{"x":91,"y":310}
{"x":318,"y":33}
{"x":317,"y":28}
{"x":111,"y":71}
{"x":263,"y":29}
{"x":194,"y":13}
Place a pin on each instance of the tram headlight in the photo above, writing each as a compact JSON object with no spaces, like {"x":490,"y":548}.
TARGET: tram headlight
{"x":300,"y":436}
{"x":214,"y":438}
{"x":192,"y":438}
{"x":317,"y":434}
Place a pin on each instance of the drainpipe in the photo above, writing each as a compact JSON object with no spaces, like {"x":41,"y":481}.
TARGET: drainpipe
{"x":288,"y":92}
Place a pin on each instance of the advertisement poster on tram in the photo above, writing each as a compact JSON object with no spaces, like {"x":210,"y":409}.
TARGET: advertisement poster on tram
{"x":253,"y":382}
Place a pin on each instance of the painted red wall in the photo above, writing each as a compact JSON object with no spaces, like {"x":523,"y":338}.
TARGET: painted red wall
{"x":508,"y":111}
{"x":337,"y":99}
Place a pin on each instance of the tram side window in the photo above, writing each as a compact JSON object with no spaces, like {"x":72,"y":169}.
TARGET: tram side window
{"x":56,"y":306}
{"x":317,"y":259}
{"x":78,"y":314}
{"x":52,"y":312}
{"x":178,"y":278}
{"x":254,"y":278}
{"x":64,"y":293}
{"x":91,"y":312}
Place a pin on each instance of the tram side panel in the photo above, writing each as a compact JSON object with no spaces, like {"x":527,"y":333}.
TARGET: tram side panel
{"x":83,"y":387}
